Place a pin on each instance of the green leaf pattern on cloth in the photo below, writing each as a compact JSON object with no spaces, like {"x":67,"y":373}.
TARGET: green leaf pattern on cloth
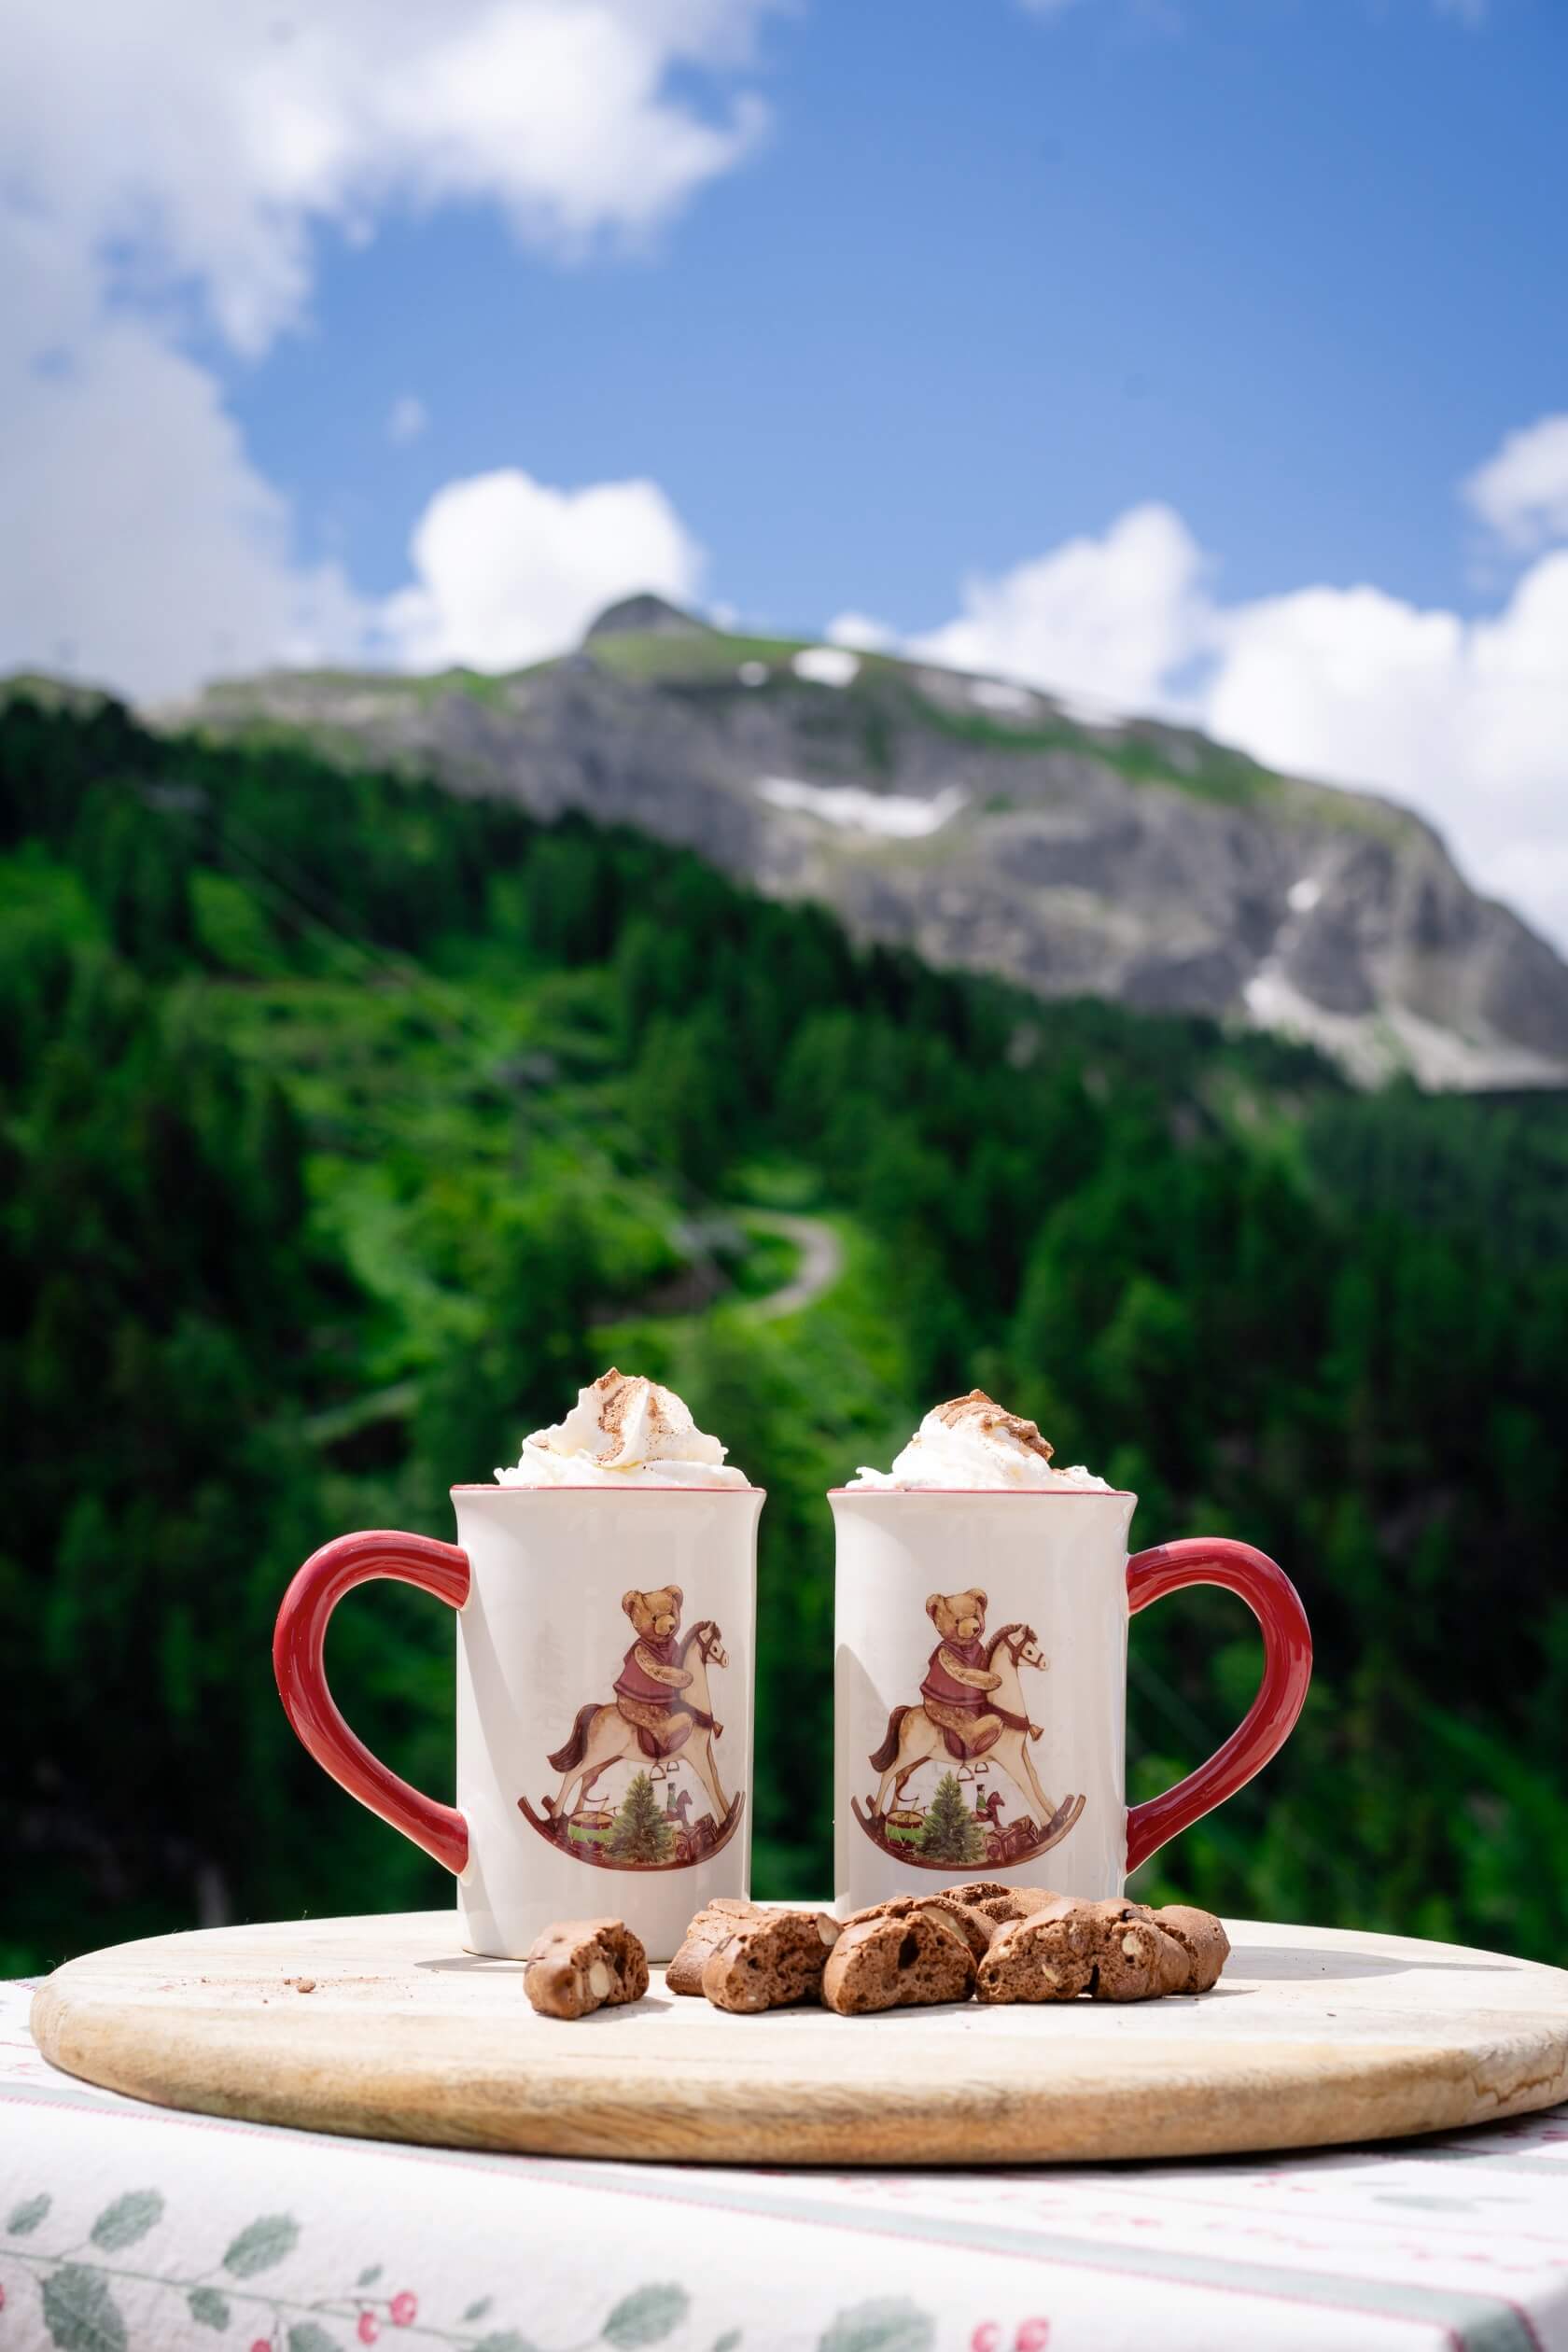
{"x":887,"y":2325}
{"x":646,"y":2316}
{"x":126,"y":2219}
{"x":262,"y":2245}
{"x":81,"y":2315}
{"x":80,"y":2312}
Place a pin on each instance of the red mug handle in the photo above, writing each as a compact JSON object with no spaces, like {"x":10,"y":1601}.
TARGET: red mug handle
{"x":298,"y":1643}
{"x":1287,"y":1669}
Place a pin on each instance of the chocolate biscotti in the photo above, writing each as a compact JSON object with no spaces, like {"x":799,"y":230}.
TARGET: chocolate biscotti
{"x":581,"y":1965}
{"x":1042,"y":1955}
{"x":909,"y":1963}
{"x":998,"y":1903}
{"x":707,"y":1932}
{"x":770,"y":1961}
{"x":1113,"y":1951}
{"x":972,"y":1923}
{"x":1202,"y":1939}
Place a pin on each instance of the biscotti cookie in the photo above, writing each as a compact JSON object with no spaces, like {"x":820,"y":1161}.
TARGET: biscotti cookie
{"x":581,"y":1965}
{"x":972,"y":1923}
{"x":1201,"y":1937}
{"x":707,"y":1930}
{"x":999,"y":1902}
{"x":883,"y":1963}
{"x":770,"y":1961}
{"x":1133,"y":1959}
{"x":1046,"y":1956}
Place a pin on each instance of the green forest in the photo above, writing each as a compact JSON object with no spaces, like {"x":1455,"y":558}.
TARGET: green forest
{"x":348,"y":1127}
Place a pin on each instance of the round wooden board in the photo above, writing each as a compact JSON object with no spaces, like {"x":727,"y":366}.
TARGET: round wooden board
{"x":1312,"y":2036}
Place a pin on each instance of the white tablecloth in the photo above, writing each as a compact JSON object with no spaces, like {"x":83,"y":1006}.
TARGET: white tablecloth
{"x":126,"y":2228}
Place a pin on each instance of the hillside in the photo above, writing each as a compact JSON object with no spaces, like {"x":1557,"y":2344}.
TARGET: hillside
{"x":991,"y":828}
{"x":347,"y":1124}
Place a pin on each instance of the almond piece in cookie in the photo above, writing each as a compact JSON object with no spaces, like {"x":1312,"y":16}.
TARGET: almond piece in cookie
{"x":1046,"y":1956}
{"x":581,"y":1965}
{"x":972,"y":1923}
{"x":883,"y":1963}
{"x":999,"y":1902}
{"x":770,"y":1961}
{"x":707,"y":1932}
{"x":1201,"y":1937}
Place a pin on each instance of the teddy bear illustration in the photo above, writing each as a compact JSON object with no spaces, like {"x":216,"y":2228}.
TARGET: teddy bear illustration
{"x":660,"y":1710}
{"x":958,"y":1678}
{"x":971,"y":1707}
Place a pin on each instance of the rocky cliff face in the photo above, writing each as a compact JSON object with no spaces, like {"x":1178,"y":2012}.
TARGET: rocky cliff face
{"x":989,"y":827}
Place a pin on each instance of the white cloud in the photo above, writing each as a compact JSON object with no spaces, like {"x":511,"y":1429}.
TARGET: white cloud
{"x":1521,"y":492}
{"x":169,"y":168}
{"x":406,"y":419}
{"x":216,"y":139}
{"x":860,"y":633}
{"x":1464,"y":719}
{"x":508,"y":569}
{"x":1112,"y":618}
{"x":143,"y":546}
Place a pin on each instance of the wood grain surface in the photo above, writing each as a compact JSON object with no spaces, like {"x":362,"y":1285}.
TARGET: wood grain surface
{"x":1312,"y":2036}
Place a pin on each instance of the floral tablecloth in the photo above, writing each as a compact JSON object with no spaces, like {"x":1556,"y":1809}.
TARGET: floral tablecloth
{"x":127,"y":2228}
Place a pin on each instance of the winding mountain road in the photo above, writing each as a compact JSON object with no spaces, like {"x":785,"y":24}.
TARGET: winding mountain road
{"x":821,"y":1263}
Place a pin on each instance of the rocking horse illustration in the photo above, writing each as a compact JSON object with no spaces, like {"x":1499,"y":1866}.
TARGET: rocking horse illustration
{"x":659,"y":1718}
{"x":971,"y":1715}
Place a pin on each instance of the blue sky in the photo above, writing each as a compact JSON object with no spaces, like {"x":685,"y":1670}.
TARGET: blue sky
{"x":1198,"y":356}
{"x":991,"y":277}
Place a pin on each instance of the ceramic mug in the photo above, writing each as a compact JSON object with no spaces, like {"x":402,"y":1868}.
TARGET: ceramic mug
{"x":980,"y":1688}
{"x":605,"y":1651}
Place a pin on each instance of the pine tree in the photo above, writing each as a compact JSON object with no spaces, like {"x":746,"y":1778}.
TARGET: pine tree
{"x":950,"y":1832}
{"x":642,"y":1833}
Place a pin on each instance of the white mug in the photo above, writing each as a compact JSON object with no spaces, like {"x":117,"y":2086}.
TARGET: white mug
{"x":605,"y":1645}
{"x":980,"y":1688}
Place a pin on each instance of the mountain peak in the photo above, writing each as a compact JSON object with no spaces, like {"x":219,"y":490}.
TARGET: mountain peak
{"x":645,"y":615}
{"x":993,"y":828}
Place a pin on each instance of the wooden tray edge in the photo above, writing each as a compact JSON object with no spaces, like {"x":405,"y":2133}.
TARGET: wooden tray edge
{"x":205,"y":2062}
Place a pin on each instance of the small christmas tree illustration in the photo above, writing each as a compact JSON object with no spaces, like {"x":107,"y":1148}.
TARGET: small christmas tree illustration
{"x":949,"y":1832}
{"x":642,"y":1833}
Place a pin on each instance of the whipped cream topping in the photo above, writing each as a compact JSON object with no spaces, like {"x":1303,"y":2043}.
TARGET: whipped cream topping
{"x":972,"y":1442}
{"x":622,"y":1431}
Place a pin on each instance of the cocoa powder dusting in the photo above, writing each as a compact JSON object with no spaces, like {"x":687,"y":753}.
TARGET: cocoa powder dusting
{"x":616,"y":1392}
{"x":987,"y":1415}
